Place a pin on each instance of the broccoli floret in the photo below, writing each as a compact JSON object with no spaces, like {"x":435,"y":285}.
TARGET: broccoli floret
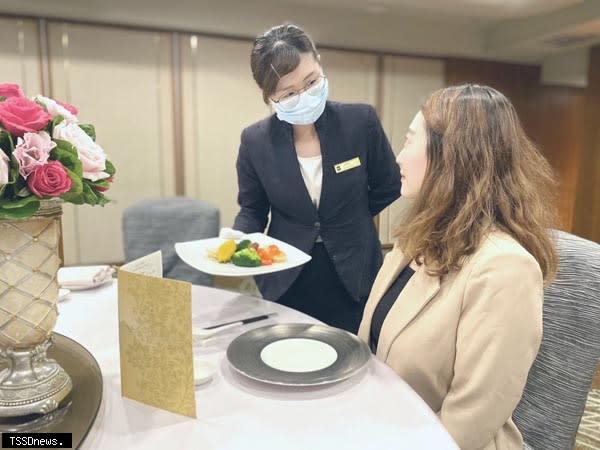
{"x":242,"y":245}
{"x":246,"y":257}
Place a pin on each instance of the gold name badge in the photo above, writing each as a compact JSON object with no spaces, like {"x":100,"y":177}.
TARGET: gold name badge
{"x":347,"y":165}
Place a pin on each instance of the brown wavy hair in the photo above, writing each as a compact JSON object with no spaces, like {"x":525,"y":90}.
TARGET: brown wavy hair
{"x":483,"y":173}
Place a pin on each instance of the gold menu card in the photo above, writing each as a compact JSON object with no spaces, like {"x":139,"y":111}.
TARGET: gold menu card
{"x":155,"y":337}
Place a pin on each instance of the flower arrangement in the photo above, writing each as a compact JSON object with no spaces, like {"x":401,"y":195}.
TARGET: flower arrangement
{"x":46,"y":153}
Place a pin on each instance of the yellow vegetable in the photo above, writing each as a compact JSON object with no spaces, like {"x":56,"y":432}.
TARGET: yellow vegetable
{"x":279,"y":257}
{"x":226,"y":251}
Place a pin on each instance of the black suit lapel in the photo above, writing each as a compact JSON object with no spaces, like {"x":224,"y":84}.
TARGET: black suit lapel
{"x":326,"y":158}
{"x":287,"y":162}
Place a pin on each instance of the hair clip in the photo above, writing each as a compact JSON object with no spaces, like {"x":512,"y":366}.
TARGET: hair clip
{"x":276,"y":73}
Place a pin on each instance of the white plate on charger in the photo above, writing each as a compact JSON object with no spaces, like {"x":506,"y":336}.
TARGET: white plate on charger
{"x":195,"y":253}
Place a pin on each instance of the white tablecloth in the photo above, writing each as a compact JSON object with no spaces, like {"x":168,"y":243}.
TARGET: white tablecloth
{"x":372,"y":410}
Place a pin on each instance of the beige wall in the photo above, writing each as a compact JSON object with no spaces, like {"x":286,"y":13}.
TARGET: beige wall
{"x":20,"y":55}
{"x":121,"y":82}
{"x":220,"y":98}
{"x":406,"y":84}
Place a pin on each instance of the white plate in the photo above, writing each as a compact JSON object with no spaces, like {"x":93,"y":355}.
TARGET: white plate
{"x":62,"y":294}
{"x":195,"y":254}
{"x":298,"y":354}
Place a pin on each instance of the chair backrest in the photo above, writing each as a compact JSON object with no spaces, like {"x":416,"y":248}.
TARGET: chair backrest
{"x":157,"y":224}
{"x":558,"y":383}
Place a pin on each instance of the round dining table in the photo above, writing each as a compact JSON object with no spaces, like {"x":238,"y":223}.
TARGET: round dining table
{"x":373,"y":409}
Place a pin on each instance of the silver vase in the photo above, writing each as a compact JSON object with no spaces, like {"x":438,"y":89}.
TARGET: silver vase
{"x":29,"y":261}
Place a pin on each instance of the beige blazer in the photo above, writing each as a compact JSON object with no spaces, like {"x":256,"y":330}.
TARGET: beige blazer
{"x":465,"y":343}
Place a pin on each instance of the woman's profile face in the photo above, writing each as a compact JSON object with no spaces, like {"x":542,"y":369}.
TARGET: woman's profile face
{"x":307,"y":74}
{"x":412,"y":159}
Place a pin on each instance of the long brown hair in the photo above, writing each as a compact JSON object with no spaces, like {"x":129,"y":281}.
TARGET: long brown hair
{"x":482,"y":173}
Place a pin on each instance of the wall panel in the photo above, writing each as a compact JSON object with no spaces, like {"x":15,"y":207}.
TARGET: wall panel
{"x":586,"y":220}
{"x":220,"y":99}
{"x":20,"y":54}
{"x":121,"y":81}
{"x":352,"y":76}
{"x":406,"y":84}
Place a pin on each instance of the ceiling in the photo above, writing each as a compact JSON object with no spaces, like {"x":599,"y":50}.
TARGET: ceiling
{"x":528,"y":31}
{"x":477,"y":9}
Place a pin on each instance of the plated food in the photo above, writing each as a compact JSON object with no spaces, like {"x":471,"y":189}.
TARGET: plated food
{"x":246,"y":253}
{"x":202,"y":255}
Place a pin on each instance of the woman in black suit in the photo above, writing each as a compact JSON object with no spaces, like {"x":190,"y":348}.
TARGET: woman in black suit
{"x":323,"y":170}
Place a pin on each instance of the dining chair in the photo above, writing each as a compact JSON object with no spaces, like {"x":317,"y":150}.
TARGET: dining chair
{"x":157,"y":224}
{"x":550,"y":410}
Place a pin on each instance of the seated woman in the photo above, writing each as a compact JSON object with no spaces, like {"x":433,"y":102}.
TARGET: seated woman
{"x":456,"y":308}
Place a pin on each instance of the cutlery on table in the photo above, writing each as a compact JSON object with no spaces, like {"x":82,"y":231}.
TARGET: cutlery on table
{"x":214,"y":329}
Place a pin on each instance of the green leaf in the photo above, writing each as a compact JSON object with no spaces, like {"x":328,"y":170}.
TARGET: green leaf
{"x":100,"y":183}
{"x":89,"y":130}
{"x":57,"y":120}
{"x":9,"y":204}
{"x":89,"y":194}
{"x":75,"y":194}
{"x":75,"y":198}
{"x":6,"y":143}
{"x":66,"y":154}
{"x":19,"y":209}
{"x":13,"y":174}
{"x":110,"y":169}
{"x":102,"y":199}
{"x":65,"y":145}
{"x":53,"y":123}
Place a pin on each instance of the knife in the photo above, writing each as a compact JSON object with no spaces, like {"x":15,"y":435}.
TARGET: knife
{"x":214,"y":329}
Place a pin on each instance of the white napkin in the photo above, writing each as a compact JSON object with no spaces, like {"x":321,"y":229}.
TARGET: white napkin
{"x":230,"y":233}
{"x":84,"y":276}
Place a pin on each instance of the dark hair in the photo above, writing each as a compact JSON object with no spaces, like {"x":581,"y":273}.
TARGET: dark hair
{"x":277,"y":53}
{"x":482,"y":173}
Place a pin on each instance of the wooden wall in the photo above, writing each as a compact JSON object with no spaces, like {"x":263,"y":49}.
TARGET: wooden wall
{"x":560,"y":137}
{"x":551,"y":115}
{"x":586,"y":221}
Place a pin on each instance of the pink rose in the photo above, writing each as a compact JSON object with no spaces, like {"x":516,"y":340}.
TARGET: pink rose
{"x":9,"y":90}
{"x":4,"y":168}
{"x":51,"y":180}
{"x":56,"y":108}
{"x":20,"y":115}
{"x":33,"y":149}
{"x":91,"y":155}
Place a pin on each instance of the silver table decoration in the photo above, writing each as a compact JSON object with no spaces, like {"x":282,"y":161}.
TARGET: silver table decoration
{"x":29,"y":261}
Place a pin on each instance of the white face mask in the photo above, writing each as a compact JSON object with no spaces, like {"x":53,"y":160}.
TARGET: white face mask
{"x":310,"y":105}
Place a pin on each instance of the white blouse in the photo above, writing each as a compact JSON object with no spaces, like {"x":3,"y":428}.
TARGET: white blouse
{"x":312,"y":173}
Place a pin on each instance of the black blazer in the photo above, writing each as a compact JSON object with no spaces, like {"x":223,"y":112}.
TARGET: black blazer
{"x":270,"y":180}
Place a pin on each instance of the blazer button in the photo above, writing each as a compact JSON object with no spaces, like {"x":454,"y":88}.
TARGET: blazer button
{"x":317,"y":225}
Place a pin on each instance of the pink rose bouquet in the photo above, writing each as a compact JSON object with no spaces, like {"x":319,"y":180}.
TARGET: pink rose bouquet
{"x":45,"y":153}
